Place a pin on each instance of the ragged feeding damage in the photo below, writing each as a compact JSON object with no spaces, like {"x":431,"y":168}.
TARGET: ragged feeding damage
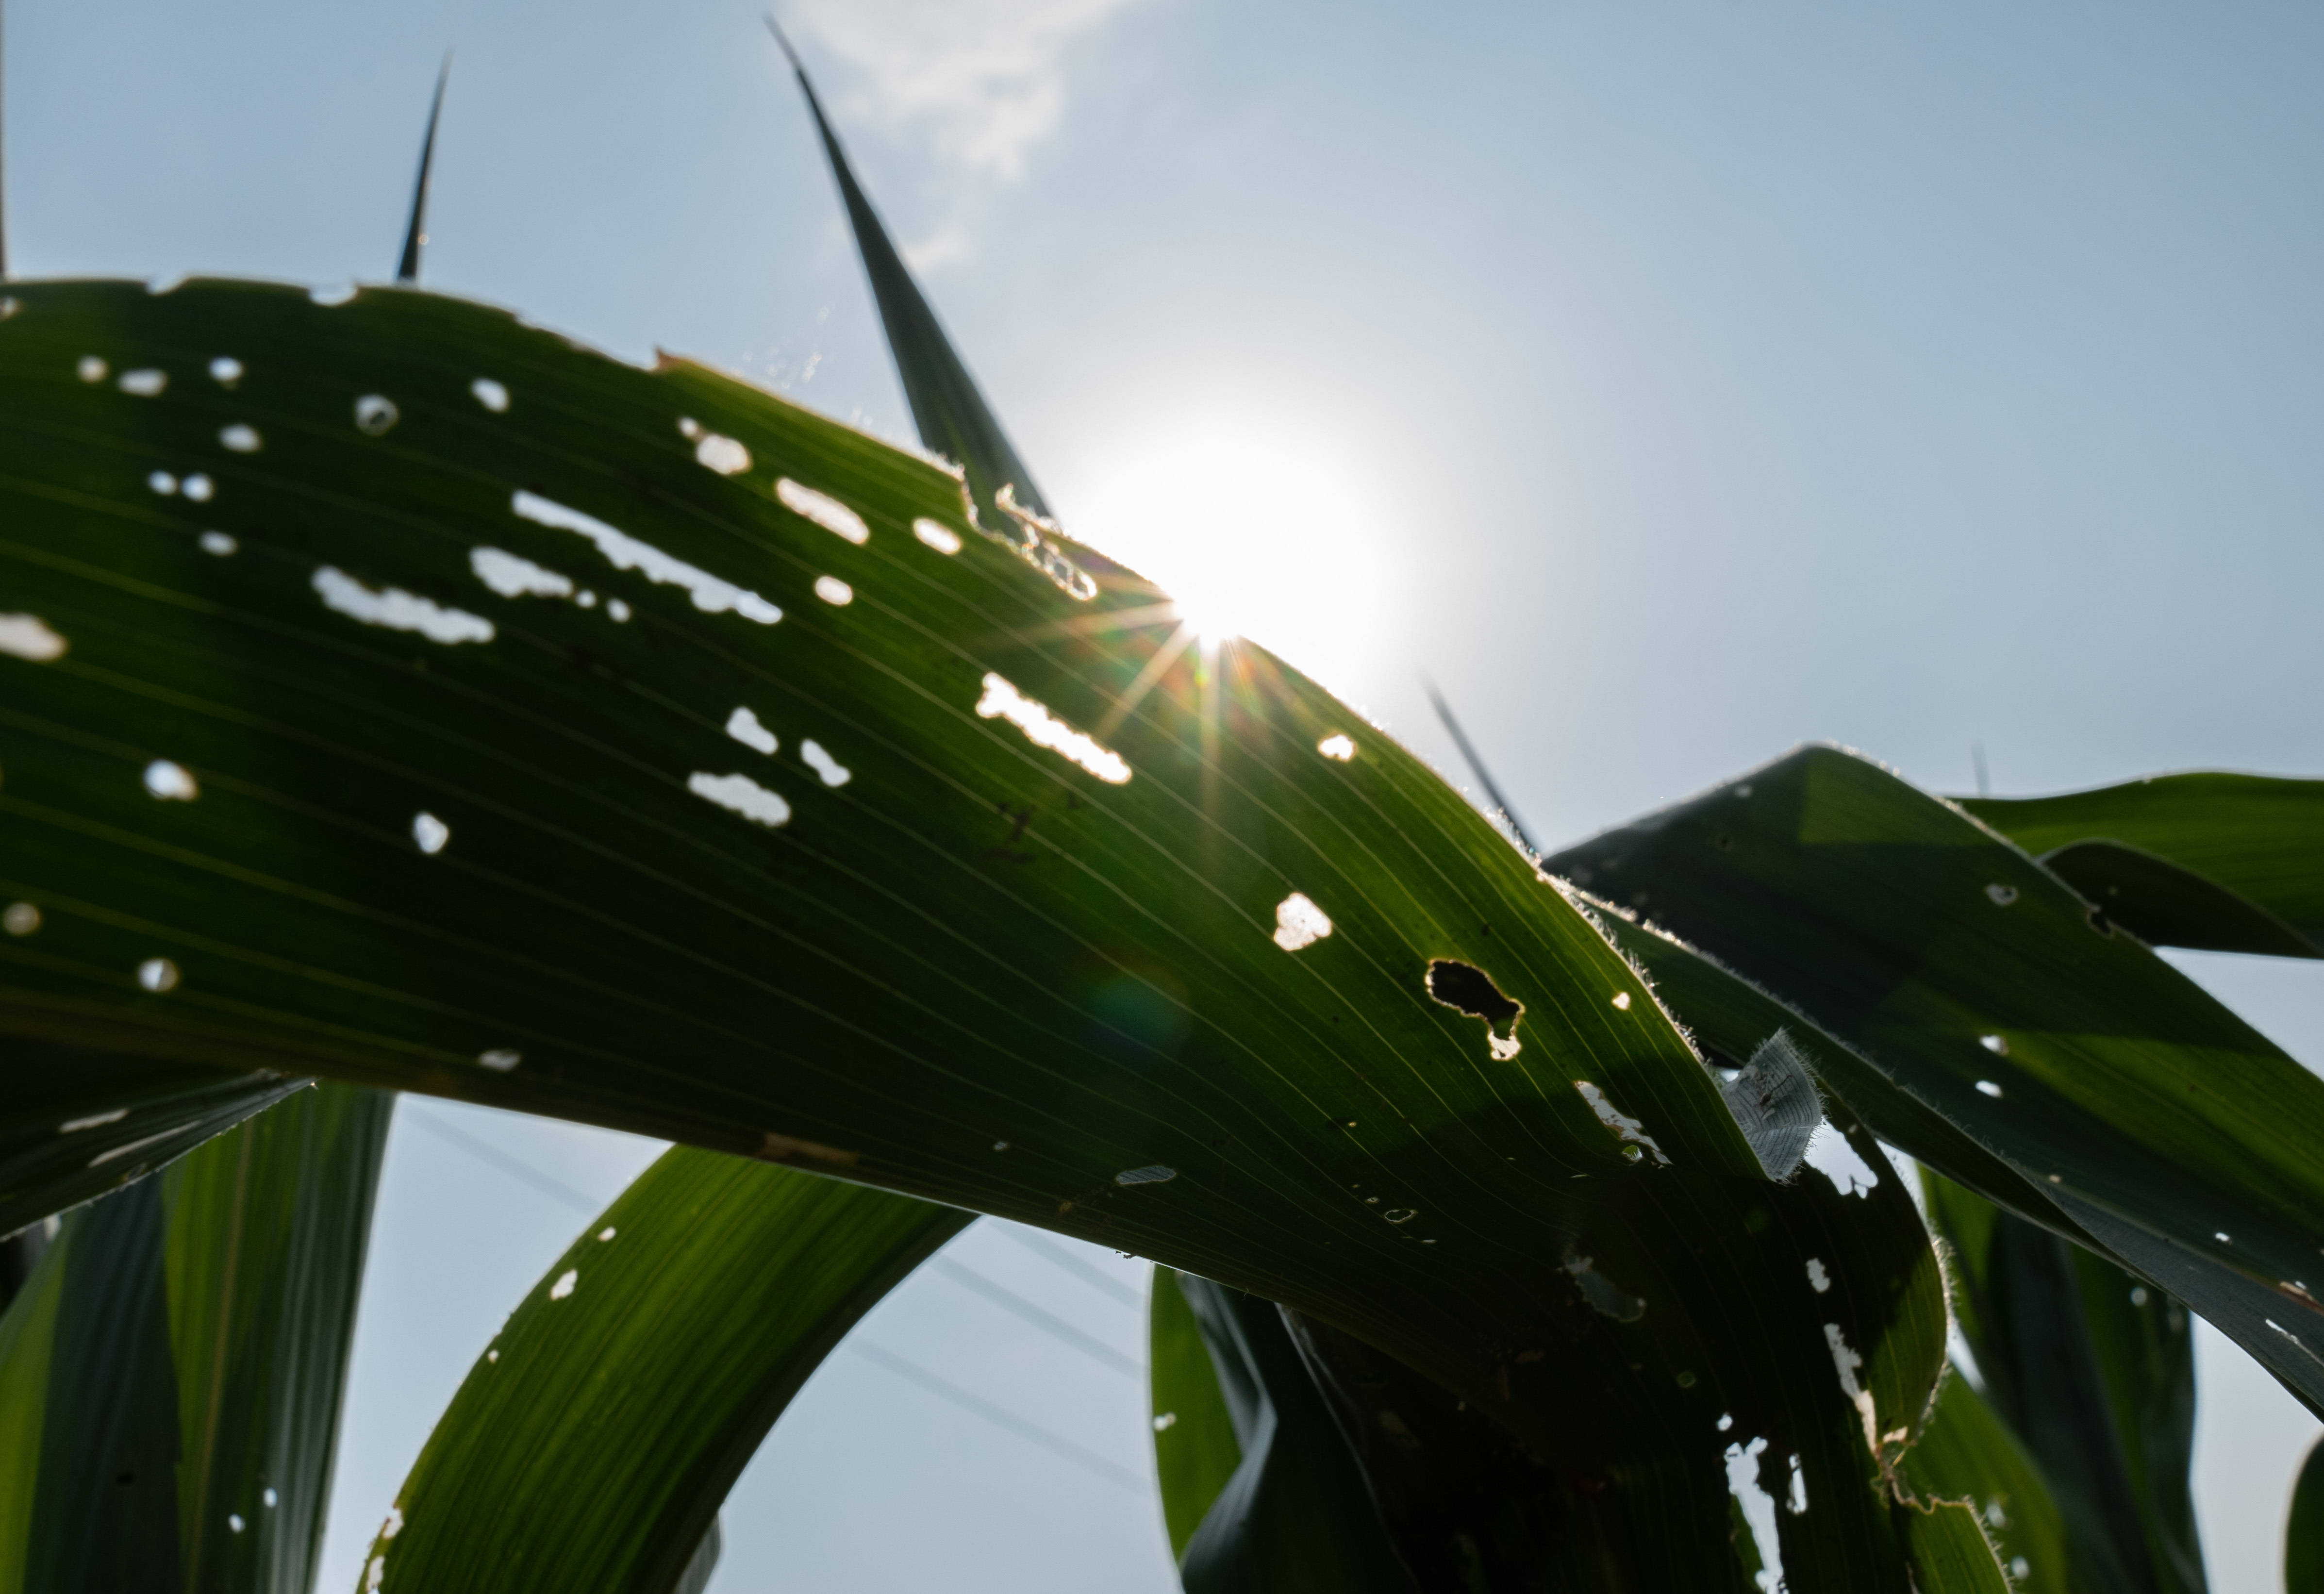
{"x":741,"y":795}
{"x":937,"y":535}
{"x":28,"y":636}
{"x":1152,"y":1174}
{"x":158,"y":975}
{"x":377,"y":415}
{"x":146,"y":384}
{"x":834,"y":591}
{"x":397,"y":610}
{"x":430,"y":833}
{"x":491,"y":394}
{"x":1338,"y":746}
{"x":1830,"y":1154}
{"x":710,"y":594}
{"x":514,"y":576}
{"x":1605,"y":1296}
{"x":1758,"y":1505}
{"x":1847,"y":1364}
{"x":1001,"y":700}
{"x":566,"y":1283}
{"x":1298,"y":923}
{"x":1469,"y":990}
{"x":823,"y":509}
{"x":20,"y":918}
{"x":1637,"y":1143}
{"x":1032,"y":539}
{"x":500,"y":1059}
{"x":240,"y":437}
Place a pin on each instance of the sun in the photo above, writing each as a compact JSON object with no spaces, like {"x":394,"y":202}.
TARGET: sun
{"x":1257,"y":527}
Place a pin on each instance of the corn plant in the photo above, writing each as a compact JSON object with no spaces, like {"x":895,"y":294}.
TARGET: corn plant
{"x":395,"y":696}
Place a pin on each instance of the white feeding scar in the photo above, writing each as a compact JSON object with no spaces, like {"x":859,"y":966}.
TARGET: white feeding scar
{"x":28,"y":636}
{"x":741,"y":795}
{"x":1298,"y":923}
{"x":1044,"y":728}
{"x":514,"y":576}
{"x":397,"y":609}
{"x":823,"y":509}
{"x":831,"y":769}
{"x":743,"y":726}
{"x":711,"y":594}
{"x":937,"y":535}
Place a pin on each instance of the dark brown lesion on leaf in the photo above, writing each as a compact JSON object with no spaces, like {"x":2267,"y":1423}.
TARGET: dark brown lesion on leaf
{"x":1468,"y":988}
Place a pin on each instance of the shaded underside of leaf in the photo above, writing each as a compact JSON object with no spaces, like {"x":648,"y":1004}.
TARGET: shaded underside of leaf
{"x":2094,"y":1374}
{"x":76,"y":1122}
{"x":1294,"y":1513}
{"x":2164,"y":1127}
{"x":1950,"y":1555}
{"x":2145,"y":850}
{"x":1968,"y":1454}
{"x":189,"y":1340}
{"x":510,"y":787}
{"x":592,"y":1443}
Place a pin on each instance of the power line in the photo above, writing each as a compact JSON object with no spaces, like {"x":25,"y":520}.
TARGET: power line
{"x":485,"y":1151}
{"x":944,"y":1388}
{"x":1040,"y":1244}
{"x":1047,"y":1322}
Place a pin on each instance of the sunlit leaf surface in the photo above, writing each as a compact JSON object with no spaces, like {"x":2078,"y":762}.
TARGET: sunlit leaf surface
{"x":593,"y":1442}
{"x":635,"y":747}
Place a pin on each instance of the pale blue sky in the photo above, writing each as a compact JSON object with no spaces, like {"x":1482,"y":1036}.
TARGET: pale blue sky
{"x":1672,"y":383}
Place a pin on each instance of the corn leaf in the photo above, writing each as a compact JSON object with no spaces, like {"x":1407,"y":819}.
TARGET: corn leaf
{"x":2095,"y":1373}
{"x":2229,"y":862}
{"x":2303,"y":1536}
{"x":593,"y":1443}
{"x":1196,"y":1451}
{"x":1950,"y":1555}
{"x":488,"y":771}
{"x":173,"y":1368}
{"x":1969,"y":1455}
{"x":76,"y":1122}
{"x":1983,"y":986}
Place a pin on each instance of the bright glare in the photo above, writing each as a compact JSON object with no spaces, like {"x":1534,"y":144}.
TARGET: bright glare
{"x":1257,"y":527}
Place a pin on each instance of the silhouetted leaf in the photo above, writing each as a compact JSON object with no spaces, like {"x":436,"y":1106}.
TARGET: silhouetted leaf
{"x":1196,"y":1451}
{"x":1983,"y":987}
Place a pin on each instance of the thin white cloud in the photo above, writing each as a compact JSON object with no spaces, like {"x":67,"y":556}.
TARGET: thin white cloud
{"x":989,"y":76}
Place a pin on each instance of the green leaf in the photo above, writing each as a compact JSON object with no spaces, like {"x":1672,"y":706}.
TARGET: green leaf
{"x":175,"y":1364}
{"x":592,"y":1443}
{"x":76,"y":1122}
{"x":2230,"y":862}
{"x":1196,"y":1451}
{"x":1951,"y":1553}
{"x":2303,"y":1537}
{"x":1295,"y":1512}
{"x":1968,"y":1454}
{"x":2095,"y":1373}
{"x":1981,"y":986}
{"x":948,"y":408}
{"x":1034,"y":926}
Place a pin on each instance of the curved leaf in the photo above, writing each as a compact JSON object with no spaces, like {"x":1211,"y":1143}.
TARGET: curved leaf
{"x":2303,"y":1538}
{"x":1983,"y":986}
{"x":1951,"y":1553}
{"x":592,"y":1443}
{"x":1035,"y":925}
{"x":2231,"y":862}
{"x":1195,"y":1449}
{"x":2095,"y":1373}
{"x":175,"y":1364}
{"x":1968,"y":1454}
{"x":1294,"y":1513}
